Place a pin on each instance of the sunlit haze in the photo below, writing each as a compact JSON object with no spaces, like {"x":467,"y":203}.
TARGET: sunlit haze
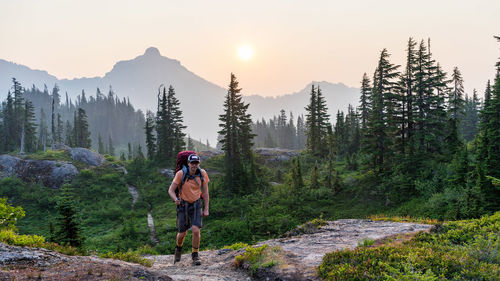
{"x":290,"y":43}
{"x":245,"y":52}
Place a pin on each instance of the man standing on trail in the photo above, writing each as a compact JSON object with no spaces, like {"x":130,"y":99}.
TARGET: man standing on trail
{"x":192,"y":188}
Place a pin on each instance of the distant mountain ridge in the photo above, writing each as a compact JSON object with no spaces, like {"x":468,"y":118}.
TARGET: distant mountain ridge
{"x":201,"y":101}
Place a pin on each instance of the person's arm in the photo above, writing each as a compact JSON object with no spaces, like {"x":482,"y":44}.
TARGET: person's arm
{"x":171,"y":192}
{"x":206,"y":199}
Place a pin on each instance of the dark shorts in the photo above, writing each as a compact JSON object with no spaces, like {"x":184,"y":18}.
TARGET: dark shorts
{"x":188,"y":214}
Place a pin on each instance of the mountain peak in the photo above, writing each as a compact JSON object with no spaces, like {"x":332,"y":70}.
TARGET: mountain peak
{"x":152,"y":51}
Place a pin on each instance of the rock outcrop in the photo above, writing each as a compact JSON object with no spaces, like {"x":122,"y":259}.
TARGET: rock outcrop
{"x":22,"y":263}
{"x":87,"y":156}
{"x":50,"y":173}
{"x":276,"y":155}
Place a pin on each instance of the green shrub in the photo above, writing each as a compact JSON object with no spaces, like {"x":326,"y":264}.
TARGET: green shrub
{"x":366,"y":243}
{"x":259,"y":257}
{"x":128,"y":256}
{"x":9,"y":215}
{"x":236,"y":246}
{"x":8,"y":236}
{"x":458,"y":250}
{"x":64,"y":249}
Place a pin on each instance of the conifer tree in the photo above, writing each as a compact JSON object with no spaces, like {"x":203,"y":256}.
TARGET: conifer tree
{"x":100,"y":148}
{"x":169,"y":126}
{"x":130,"y":156}
{"x":471,"y":117}
{"x":111,"y":148}
{"x":317,"y":122}
{"x":29,"y":127}
{"x":150,"y":137}
{"x":296,"y":175}
{"x":53,"y":125}
{"x":455,"y":111}
{"x":314,"y":177}
{"x":364,"y":100}
{"x":42,"y":137}
{"x":69,"y":230}
{"x":69,"y":138}
{"x":9,"y":124}
{"x":190,"y":145}
{"x":81,"y":127}
{"x":493,"y":135}
{"x":379,"y":127}
{"x":236,"y":141}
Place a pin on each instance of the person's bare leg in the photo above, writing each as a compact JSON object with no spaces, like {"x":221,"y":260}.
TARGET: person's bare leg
{"x":178,"y":248}
{"x":180,"y":238}
{"x":196,"y":245}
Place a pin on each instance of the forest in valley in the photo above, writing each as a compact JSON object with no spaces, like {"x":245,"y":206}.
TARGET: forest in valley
{"x":416,"y":145}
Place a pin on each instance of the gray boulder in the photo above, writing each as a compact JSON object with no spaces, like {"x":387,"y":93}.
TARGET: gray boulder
{"x":50,"y":173}
{"x":167,"y":173}
{"x":276,"y":154}
{"x":87,"y":156}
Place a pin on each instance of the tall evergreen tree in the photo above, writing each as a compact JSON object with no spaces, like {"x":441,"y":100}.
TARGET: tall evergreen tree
{"x":317,"y":122}
{"x":190,"y":145}
{"x":236,"y":140}
{"x":29,"y":127}
{"x":471,"y":117}
{"x":69,"y":230}
{"x":18,"y":112}
{"x":59,"y":129}
{"x":111,"y":147}
{"x":364,"y":100}
{"x":150,"y":137}
{"x":100,"y":149}
{"x":9,"y":124}
{"x":455,"y":111}
{"x":81,"y":127}
{"x":169,"y":126}
{"x":380,"y":124}
{"x":69,"y":138}
{"x":43,"y":131}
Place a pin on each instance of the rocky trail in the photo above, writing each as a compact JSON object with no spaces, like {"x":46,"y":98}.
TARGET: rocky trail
{"x":301,"y":254}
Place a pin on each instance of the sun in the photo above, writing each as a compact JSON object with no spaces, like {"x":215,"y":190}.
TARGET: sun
{"x":245,"y":52}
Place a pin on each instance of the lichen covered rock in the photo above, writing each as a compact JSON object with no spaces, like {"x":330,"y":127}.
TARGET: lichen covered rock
{"x":87,"y":156}
{"x":50,"y":173}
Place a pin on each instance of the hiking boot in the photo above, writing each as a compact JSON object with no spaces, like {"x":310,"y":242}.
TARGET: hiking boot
{"x":196,"y":258}
{"x":178,"y":254}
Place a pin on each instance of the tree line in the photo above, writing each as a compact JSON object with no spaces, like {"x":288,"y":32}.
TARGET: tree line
{"x":104,"y":123}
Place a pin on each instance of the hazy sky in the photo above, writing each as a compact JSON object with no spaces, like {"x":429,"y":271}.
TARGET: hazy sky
{"x":293,"y":42}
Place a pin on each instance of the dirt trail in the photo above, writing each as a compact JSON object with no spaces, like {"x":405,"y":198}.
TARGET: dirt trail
{"x":303,"y":253}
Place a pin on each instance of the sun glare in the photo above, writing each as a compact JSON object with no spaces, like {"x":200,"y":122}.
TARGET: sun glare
{"x":245,"y":52}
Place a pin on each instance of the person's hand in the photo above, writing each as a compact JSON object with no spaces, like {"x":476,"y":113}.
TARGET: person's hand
{"x":205,"y":213}
{"x":177,"y":201}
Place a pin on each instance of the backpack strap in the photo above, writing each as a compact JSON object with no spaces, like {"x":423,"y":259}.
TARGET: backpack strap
{"x":186,"y":176}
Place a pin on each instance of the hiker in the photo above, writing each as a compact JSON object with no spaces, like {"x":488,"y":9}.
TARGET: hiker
{"x":188,"y":188}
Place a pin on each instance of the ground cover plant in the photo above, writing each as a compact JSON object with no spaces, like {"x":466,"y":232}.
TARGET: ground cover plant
{"x":456,"y":250}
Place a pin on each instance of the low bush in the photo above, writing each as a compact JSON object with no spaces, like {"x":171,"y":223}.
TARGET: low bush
{"x":259,"y":258}
{"x":128,"y":256}
{"x":8,"y":236}
{"x":236,"y":246}
{"x":458,"y":250}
